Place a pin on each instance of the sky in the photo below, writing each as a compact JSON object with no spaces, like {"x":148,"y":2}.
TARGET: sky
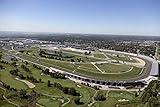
{"x":122,"y":17}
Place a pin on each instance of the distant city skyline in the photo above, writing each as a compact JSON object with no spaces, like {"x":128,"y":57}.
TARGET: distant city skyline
{"x":119,"y":17}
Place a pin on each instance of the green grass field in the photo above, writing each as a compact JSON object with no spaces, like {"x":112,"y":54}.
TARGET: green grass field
{"x":88,"y":67}
{"x":48,"y":102}
{"x":122,"y":95}
{"x":125,"y":76}
{"x":113,"y":68}
{"x":99,"y":55}
{"x":120,"y":58}
{"x":86,"y":71}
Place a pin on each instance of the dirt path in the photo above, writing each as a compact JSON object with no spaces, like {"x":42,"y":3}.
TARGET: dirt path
{"x":93,"y":101}
{"x":66,"y":102}
{"x":105,"y":55}
{"x":39,"y":105}
{"x":107,"y":93}
{"x":96,"y":67}
{"x":8,"y":99}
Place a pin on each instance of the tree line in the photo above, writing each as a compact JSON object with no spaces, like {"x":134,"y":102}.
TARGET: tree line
{"x":15,"y":72}
{"x":66,"y":90}
{"x":54,"y":75}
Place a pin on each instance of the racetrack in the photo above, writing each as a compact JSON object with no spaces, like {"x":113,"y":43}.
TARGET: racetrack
{"x":138,"y":75}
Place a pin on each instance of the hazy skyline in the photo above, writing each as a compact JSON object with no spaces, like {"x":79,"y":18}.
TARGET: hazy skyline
{"x":129,"y":17}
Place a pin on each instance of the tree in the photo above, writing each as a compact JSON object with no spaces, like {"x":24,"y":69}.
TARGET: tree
{"x":31,"y":78}
{"x":86,"y":53}
{"x":65,"y":90}
{"x":14,"y":72}
{"x":77,"y":101}
{"x":1,"y":67}
{"x":46,"y":71}
{"x":25,"y":68}
{"x":40,"y":80}
{"x":21,"y":76}
{"x":58,"y":85}
{"x":0,"y":56}
{"x":100,"y":97}
{"x":49,"y":83}
{"x":22,"y":93}
{"x":72,"y":60}
{"x":26,"y":63}
{"x":136,"y":94}
{"x":72,"y":91}
{"x":37,"y":67}
{"x":14,"y":64}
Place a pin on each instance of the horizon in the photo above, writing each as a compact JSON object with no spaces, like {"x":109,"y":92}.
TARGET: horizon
{"x":106,"y":17}
{"x":83,"y":34}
